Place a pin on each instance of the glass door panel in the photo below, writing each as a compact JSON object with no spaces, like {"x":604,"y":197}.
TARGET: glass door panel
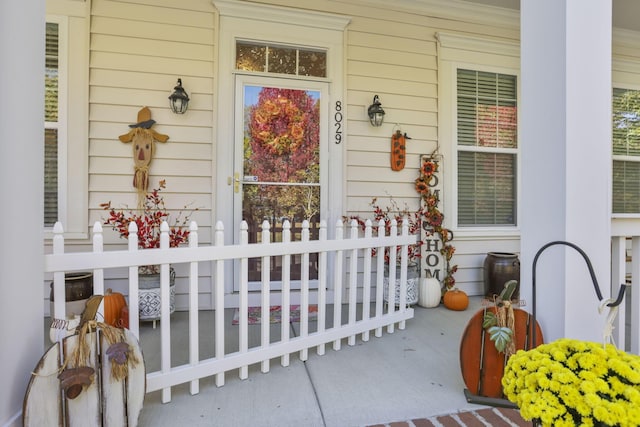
{"x":280,"y":168}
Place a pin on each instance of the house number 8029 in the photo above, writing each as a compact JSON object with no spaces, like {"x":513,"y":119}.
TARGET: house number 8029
{"x":338,"y":122}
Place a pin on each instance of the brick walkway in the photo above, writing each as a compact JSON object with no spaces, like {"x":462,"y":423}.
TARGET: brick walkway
{"x":492,"y":417}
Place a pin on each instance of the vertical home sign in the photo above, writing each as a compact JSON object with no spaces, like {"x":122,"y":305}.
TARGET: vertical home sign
{"x":433,"y":261}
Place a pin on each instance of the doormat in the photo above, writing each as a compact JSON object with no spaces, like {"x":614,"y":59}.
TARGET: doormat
{"x":275,"y":314}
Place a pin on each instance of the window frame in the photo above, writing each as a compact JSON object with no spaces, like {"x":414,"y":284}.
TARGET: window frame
{"x":280,"y":26}
{"x":276,"y":25}
{"x":61,"y":125}
{"x":456,"y":51}
{"x":620,"y":157}
{"x":73,"y":117}
{"x":458,"y":148}
{"x":625,"y":74}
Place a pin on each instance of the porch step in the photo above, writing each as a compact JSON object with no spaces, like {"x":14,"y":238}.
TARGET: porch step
{"x":493,"y":417}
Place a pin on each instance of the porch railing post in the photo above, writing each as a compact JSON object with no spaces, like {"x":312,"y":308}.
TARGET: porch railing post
{"x":337,"y":284}
{"x":59,"y":297}
{"x":243,"y":305}
{"x":165,"y":312}
{"x":218,"y":289}
{"x":635,"y":295}
{"x":194,"y":335}
{"x":380,"y":277}
{"x":404,"y":262}
{"x":366,"y":280}
{"x":134,"y":301}
{"x":286,"y":291}
{"x":98,"y":273}
{"x":391,"y":287}
{"x":322,"y":285}
{"x":266,"y":295}
{"x":618,"y":276}
{"x":353,"y":281}
{"x":304,"y":292}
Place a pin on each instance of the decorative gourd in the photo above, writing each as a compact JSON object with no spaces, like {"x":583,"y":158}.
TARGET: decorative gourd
{"x":455,"y":299}
{"x":123,"y":321}
{"x":113,"y":304}
{"x":430,"y":293}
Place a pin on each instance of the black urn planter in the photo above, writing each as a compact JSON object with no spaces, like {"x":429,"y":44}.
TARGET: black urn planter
{"x":499,"y":268}
{"x":78,"y":288}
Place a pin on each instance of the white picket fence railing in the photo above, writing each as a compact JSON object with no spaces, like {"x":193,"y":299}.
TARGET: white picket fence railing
{"x":355,"y":248}
{"x":625,"y":269}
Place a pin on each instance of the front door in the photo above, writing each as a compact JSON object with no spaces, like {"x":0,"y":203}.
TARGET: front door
{"x":279,"y":158}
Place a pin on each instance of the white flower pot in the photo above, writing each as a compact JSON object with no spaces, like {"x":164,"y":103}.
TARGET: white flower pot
{"x":149,"y":300}
{"x":412,"y":284}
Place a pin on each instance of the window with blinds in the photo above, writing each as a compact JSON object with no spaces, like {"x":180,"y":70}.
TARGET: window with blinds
{"x":487,"y":148}
{"x":51,"y":126}
{"x":626,"y":151}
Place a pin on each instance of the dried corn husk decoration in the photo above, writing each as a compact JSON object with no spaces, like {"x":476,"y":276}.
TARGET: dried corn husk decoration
{"x":501,"y":324}
{"x":119,"y":356}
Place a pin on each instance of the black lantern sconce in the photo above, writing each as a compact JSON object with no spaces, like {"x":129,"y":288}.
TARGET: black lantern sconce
{"x":376,"y":113}
{"x":179,"y":100}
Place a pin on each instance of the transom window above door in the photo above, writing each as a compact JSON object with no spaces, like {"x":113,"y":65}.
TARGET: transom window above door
{"x":262,"y":57}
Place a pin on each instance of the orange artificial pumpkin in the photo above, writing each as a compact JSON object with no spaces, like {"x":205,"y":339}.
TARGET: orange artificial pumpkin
{"x":455,"y":299}
{"x":114,"y":302}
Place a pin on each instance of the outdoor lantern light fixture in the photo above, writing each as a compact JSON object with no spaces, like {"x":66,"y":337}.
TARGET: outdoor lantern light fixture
{"x":376,"y":113}
{"x":179,"y":100}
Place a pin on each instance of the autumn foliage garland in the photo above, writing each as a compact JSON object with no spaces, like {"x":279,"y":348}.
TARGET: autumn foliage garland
{"x":428,"y":217}
{"x":433,"y":218}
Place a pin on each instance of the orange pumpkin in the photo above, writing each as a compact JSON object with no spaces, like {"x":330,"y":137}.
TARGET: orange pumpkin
{"x":114,"y":302}
{"x":455,"y":299}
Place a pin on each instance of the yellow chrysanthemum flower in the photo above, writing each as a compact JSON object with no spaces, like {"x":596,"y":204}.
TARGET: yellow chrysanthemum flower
{"x":571,"y":382}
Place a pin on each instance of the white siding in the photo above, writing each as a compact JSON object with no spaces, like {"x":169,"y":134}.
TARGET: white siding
{"x":396,"y":57}
{"x":137,"y":53}
{"x":139,"y":48}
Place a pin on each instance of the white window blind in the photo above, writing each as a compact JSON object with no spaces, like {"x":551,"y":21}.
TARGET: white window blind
{"x":487,"y":148}
{"x":626,"y":151}
{"x":51,"y":93}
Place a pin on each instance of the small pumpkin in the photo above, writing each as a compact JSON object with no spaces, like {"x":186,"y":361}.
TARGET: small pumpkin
{"x":456,"y":300}
{"x":114,"y":302}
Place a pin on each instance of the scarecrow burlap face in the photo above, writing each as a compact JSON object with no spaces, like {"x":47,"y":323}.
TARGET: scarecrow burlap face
{"x":143,"y":140}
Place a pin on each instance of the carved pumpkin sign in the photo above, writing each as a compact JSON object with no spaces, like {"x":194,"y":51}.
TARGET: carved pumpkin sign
{"x":143,"y":140}
{"x":398,"y":151}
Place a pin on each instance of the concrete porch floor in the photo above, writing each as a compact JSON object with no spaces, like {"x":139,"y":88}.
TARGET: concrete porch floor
{"x":409,"y":374}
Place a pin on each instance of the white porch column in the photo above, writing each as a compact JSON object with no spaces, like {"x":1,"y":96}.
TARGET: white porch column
{"x":566,"y":159}
{"x":21,"y":198}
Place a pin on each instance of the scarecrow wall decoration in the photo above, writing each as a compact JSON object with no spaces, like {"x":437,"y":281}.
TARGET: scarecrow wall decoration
{"x":143,"y":140}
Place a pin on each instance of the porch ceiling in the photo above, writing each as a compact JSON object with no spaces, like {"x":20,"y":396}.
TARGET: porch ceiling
{"x":626,"y":13}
